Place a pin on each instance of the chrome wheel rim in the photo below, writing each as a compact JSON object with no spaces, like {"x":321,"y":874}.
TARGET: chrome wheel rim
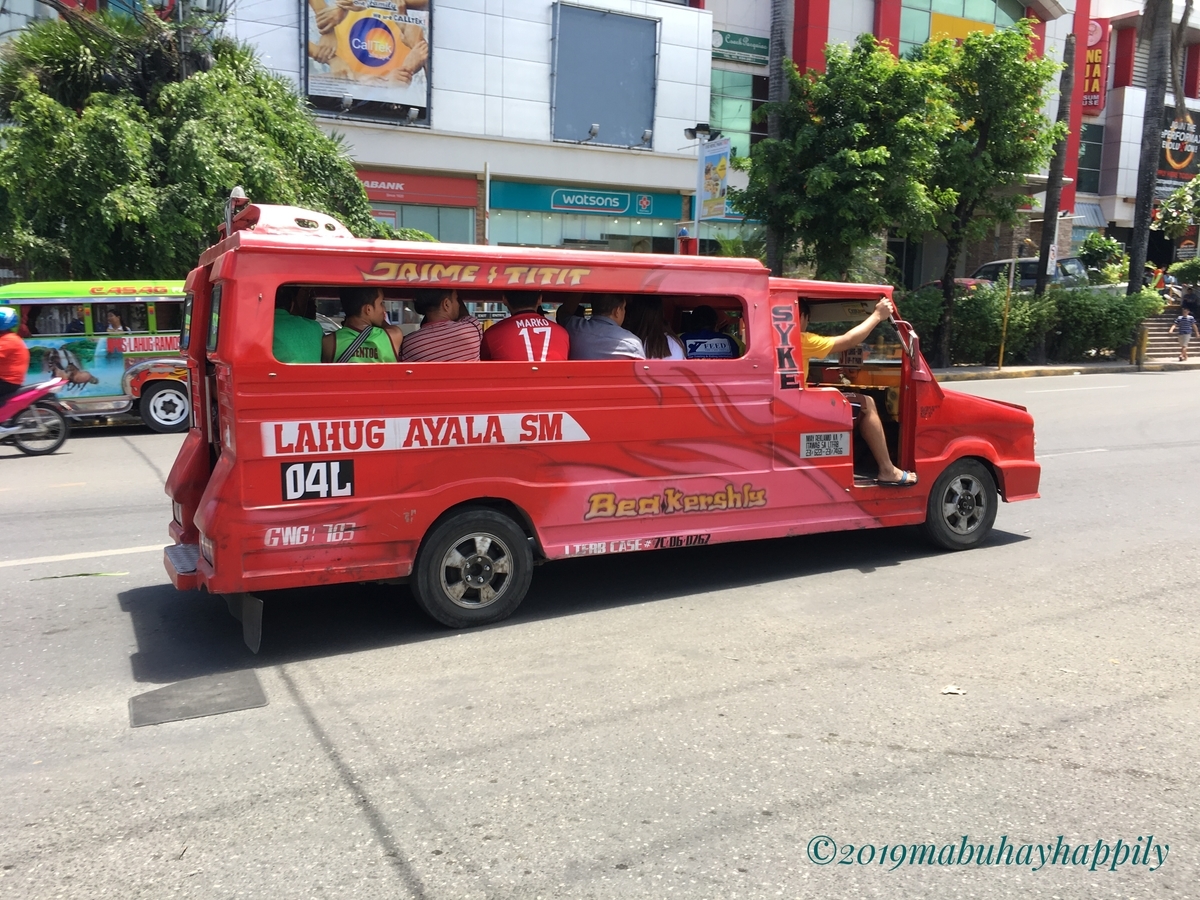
{"x":49,"y":429}
{"x":169,"y":407}
{"x":476,"y":570}
{"x":964,"y":504}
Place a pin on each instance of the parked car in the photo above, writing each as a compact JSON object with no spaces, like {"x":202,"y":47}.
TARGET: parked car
{"x":1071,"y":272}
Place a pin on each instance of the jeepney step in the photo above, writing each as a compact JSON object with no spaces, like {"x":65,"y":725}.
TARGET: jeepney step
{"x":184,"y":557}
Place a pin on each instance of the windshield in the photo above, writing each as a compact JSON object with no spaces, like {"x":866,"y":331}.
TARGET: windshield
{"x":882,"y":345}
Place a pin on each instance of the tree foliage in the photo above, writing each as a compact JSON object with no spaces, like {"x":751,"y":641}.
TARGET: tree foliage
{"x":856,"y":147}
{"x":1000,"y":135}
{"x":121,"y":148}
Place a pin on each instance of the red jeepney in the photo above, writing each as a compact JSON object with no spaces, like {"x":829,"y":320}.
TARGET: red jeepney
{"x":458,"y":476}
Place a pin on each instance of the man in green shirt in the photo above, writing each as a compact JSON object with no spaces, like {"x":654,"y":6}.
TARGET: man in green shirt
{"x":365,"y":335}
{"x":297,"y":339}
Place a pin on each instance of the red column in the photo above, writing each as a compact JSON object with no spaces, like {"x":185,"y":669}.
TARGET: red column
{"x":887,"y":23}
{"x":1083,"y":14}
{"x":1123,"y":61}
{"x":810,"y":34}
{"x":1039,"y":32}
{"x":1191,"y":72}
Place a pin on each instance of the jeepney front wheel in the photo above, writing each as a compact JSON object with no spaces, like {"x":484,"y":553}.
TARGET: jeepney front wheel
{"x":165,"y":406}
{"x":472,"y":569}
{"x":962,"y":505}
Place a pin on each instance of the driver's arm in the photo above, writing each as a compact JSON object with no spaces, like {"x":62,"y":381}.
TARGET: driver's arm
{"x":859,"y":332}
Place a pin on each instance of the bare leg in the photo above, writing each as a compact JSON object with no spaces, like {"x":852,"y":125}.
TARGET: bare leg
{"x":871,"y":428}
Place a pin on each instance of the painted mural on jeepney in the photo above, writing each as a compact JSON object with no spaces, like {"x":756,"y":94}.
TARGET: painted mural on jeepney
{"x":92,"y":366}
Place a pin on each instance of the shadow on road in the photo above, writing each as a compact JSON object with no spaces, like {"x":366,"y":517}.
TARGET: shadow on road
{"x":186,"y":635}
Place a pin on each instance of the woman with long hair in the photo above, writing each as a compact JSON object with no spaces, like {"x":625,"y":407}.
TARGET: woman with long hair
{"x":644,"y":317}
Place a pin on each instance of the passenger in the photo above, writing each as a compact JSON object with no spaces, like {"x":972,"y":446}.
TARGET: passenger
{"x":526,"y":335}
{"x":704,"y":341}
{"x":644,"y":317}
{"x":365,"y":335}
{"x":296,"y":339}
{"x":448,"y":333}
{"x":601,"y":336}
{"x":866,"y":416}
{"x":115,"y":325}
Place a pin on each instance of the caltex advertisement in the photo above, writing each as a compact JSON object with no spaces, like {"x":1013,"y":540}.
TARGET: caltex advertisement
{"x":369,"y":51}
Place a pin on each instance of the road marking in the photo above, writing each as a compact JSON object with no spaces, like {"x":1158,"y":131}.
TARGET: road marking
{"x":70,"y":484}
{"x":34,"y":560}
{"x":1099,"y":387}
{"x":1072,"y":453}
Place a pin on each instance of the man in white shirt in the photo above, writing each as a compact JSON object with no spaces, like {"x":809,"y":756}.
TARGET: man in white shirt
{"x":601,"y":336}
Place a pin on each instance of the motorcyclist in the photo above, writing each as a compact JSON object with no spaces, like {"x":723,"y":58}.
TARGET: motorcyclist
{"x":14,"y":355}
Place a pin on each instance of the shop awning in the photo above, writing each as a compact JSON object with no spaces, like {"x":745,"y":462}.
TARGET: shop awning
{"x":1089,"y":215}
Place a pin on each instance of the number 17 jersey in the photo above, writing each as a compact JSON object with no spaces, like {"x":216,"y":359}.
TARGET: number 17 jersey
{"x":525,"y":337}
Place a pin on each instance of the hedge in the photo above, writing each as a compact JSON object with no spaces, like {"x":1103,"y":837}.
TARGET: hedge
{"x":1077,"y":323}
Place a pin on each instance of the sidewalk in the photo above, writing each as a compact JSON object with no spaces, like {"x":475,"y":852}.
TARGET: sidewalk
{"x":1103,"y":367}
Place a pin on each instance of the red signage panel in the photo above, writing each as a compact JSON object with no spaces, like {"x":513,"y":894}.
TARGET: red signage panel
{"x":431,"y":190}
{"x":1095,"y":67}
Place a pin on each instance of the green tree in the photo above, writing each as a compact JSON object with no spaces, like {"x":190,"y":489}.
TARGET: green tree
{"x":855,"y":148}
{"x":121,"y":148}
{"x":1000,"y":136}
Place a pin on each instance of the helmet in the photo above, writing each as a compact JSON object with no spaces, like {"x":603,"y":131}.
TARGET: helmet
{"x":8,"y":319}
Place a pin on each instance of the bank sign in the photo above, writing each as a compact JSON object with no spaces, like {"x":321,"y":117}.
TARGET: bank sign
{"x":555,"y":198}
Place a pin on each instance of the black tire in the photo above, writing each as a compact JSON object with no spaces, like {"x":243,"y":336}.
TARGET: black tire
{"x":962,"y":505}
{"x":53,"y":430}
{"x":165,"y":407}
{"x":472,"y":569}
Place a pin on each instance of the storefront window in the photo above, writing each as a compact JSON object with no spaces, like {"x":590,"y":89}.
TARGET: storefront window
{"x":581,"y":232}
{"x":452,"y":224}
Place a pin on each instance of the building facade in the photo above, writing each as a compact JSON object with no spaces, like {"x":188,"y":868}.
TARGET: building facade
{"x":536,"y":122}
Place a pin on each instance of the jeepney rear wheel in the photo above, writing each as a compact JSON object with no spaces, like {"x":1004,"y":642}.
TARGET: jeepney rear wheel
{"x":962,"y":505}
{"x":165,"y":407}
{"x":473,"y":569}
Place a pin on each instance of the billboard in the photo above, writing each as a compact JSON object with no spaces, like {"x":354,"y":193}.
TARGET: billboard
{"x":369,"y":56}
{"x":1179,"y":160}
{"x":714,"y":169}
{"x":1095,"y":67}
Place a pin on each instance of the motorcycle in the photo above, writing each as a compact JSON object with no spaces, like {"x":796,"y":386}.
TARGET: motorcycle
{"x":33,"y":423}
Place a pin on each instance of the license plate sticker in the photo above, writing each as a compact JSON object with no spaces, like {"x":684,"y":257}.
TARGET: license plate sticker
{"x":825,"y":443}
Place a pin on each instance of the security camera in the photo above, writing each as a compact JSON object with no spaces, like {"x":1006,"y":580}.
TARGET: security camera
{"x":347,"y":102}
{"x":594,"y":130}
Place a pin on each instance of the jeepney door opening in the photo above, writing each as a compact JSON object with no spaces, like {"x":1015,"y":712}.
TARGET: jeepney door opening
{"x":879,"y":368}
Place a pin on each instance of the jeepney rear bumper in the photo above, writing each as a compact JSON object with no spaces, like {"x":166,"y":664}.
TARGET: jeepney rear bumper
{"x":1019,"y":479}
{"x":180,"y":561}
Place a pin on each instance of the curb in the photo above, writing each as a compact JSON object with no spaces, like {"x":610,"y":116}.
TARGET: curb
{"x":1041,"y":371}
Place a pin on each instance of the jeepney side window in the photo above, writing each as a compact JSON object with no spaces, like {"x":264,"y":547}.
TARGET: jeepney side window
{"x":214,"y":319}
{"x":56,"y":318}
{"x":120,"y":317}
{"x":168,"y":315}
{"x":185,"y":334}
{"x":882,"y":348}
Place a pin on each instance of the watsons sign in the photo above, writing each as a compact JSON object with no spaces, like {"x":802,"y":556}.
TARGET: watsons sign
{"x":574,"y":200}
{"x":563,"y":199}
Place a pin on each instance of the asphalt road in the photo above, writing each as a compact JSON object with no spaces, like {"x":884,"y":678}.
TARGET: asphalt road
{"x":684,"y":723}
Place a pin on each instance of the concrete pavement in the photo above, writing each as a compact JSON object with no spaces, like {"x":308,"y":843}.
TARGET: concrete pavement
{"x":680,"y":723}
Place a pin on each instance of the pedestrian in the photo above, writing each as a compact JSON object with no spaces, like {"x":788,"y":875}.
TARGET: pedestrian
{"x":1185,"y":324}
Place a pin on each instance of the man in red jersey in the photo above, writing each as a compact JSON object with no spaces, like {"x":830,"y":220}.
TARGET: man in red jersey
{"x":526,"y":335}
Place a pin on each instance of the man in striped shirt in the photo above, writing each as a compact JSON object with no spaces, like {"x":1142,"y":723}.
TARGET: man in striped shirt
{"x":448,"y":333}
